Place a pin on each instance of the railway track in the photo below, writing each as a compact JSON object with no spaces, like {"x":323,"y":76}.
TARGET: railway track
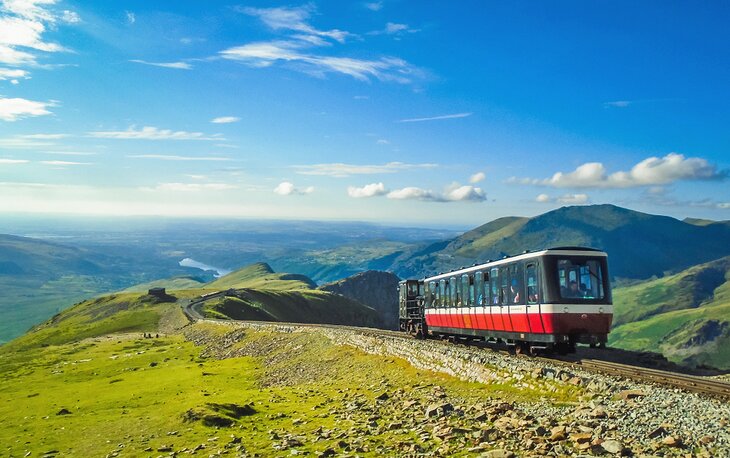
{"x":690,"y":383}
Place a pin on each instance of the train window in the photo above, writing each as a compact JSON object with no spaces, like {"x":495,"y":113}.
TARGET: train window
{"x":580,"y":278}
{"x":532,"y":291}
{"x":432,"y":294}
{"x":494,"y":282}
{"x":455,"y":294}
{"x":443,"y":293}
{"x":479,"y":288}
{"x":471,"y":290}
{"x":504,"y":290}
{"x":517,"y":286}
{"x":412,"y":289}
{"x":465,"y":289}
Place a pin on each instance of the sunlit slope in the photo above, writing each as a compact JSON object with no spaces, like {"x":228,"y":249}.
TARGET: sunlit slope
{"x":686,"y":316}
{"x":170,"y":284}
{"x":117,"y":313}
{"x":639,"y":245}
{"x":302,"y":306}
{"x":262,"y":276}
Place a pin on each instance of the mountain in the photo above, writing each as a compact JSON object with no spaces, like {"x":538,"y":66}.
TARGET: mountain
{"x":265,"y":295}
{"x":639,"y":245}
{"x":261,"y":276}
{"x":686,"y":315}
{"x":376,"y":289}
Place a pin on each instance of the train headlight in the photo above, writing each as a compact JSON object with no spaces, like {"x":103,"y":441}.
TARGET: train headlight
{"x":584,"y":316}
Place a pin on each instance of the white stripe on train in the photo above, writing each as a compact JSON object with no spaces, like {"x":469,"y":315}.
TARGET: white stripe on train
{"x":523,"y":309}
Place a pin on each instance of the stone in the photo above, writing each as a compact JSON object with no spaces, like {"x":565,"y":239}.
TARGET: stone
{"x":439,"y":410}
{"x":598,"y":412}
{"x":557,"y":433}
{"x":630,"y":394}
{"x":164,"y":448}
{"x":612,"y":446}
{"x":657,"y":432}
{"x":382,"y":396}
{"x":672,"y":441}
{"x":581,"y":438}
{"x":64,"y":412}
{"x":704,"y":440}
{"x":497,"y":453}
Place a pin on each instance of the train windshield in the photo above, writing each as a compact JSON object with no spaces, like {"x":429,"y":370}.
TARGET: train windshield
{"x":580,"y":278}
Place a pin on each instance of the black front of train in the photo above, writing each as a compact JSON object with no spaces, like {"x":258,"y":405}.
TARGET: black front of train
{"x":411,"y":308}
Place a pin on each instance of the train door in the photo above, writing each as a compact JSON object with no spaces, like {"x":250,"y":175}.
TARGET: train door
{"x":456,"y":302}
{"x":505,"y":299}
{"x":496,"y":307}
{"x":517,"y":302}
{"x":533,"y":298}
{"x":479,"y":321}
{"x":445,"y":303}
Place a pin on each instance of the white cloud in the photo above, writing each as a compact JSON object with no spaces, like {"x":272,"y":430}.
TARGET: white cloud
{"x":153,"y":133}
{"x":265,"y":54}
{"x":412,"y":192}
{"x":374,"y":6}
{"x":477,"y":177}
{"x":13,"y":74}
{"x":192,"y":187}
{"x":649,"y":172}
{"x":369,"y":190}
{"x":286,"y":188}
{"x":299,"y":36}
{"x":340,"y":170}
{"x":70,"y":17}
{"x":393,"y":28}
{"x":568,"y":199}
{"x":437,"y":118}
{"x":382,"y":141}
{"x":294,"y":19}
{"x":17,"y":108}
{"x":172,"y":157}
{"x":13,"y":161}
{"x":131,"y":17}
{"x":618,"y":104}
{"x":453,"y":193}
{"x":23,"y":24}
{"x":64,"y":163}
{"x":573,"y":199}
{"x":464,"y":193}
{"x":175,"y":65}
{"x":225,"y":119}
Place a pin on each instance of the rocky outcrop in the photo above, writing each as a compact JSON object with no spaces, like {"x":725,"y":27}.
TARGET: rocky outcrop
{"x":373,"y":288}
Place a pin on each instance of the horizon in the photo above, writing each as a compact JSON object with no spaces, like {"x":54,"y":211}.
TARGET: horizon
{"x":442,"y":116}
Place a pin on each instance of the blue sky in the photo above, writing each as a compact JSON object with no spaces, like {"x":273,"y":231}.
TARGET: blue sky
{"x":400,"y":112}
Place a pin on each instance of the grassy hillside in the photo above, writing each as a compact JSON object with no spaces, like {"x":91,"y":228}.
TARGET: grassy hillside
{"x":310,"y":306}
{"x":130,"y":396}
{"x":262,"y":276}
{"x":639,"y":245}
{"x":686,"y":316}
{"x":171,"y":284}
{"x":117,"y":313}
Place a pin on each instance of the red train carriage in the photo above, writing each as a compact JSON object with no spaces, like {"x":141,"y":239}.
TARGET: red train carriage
{"x":553,"y":298}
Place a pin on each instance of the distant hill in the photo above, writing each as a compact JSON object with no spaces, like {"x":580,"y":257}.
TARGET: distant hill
{"x":175,"y":283}
{"x":265,"y":295}
{"x":639,"y":245}
{"x":262,"y":276}
{"x":376,"y":289}
{"x":686,"y":315}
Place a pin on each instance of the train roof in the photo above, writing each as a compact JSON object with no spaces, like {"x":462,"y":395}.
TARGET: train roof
{"x":566,"y":251}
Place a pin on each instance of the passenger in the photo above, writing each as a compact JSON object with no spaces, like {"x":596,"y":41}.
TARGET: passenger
{"x":514,"y":292}
{"x":583,"y":290}
{"x":573,"y":290}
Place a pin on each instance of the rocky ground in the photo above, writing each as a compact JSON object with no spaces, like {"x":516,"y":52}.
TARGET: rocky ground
{"x":608,"y":416}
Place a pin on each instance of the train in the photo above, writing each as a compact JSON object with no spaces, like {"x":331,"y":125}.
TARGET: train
{"x":537,"y":301}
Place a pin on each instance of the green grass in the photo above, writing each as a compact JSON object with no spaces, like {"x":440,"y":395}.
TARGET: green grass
{"x":137,"y":392}
{"x":176,"y":284}
{"x":304,"y":306}
{"x":667,"y":315}
{"x":127,"y":312}
{"x":261,"y":276}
